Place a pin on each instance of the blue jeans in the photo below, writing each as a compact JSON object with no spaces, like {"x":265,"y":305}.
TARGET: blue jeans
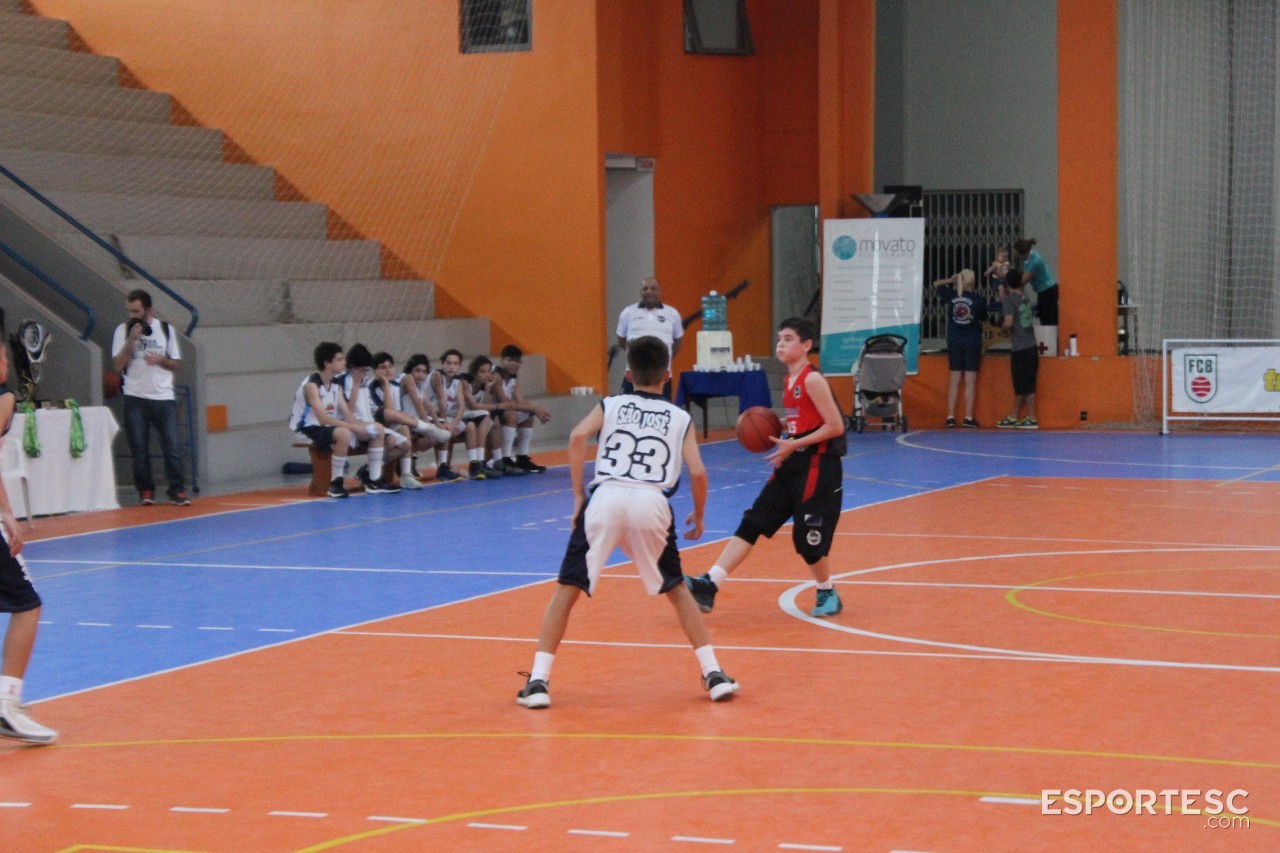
{"x":139,"y":416}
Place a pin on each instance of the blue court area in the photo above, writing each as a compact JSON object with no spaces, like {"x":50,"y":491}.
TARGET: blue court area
{"x":127,"y":603}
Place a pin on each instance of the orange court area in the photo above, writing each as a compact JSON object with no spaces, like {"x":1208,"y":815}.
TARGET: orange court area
{"x":1123,"y":640}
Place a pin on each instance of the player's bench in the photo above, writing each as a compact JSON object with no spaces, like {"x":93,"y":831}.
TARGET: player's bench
{"x":320,"y":465}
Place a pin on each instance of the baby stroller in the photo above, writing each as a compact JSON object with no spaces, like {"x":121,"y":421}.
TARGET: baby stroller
{"x":877,"y":383}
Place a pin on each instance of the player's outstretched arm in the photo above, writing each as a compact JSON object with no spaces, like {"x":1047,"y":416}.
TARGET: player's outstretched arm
{"x":697,"y":485}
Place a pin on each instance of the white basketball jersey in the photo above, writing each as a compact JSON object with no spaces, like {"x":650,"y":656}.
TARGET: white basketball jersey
{"x":358,"y":398}
{"x":302,"y":414}
{"x":641,"y":441}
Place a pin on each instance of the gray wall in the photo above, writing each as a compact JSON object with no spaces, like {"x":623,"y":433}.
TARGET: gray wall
{"x":967,"y":98}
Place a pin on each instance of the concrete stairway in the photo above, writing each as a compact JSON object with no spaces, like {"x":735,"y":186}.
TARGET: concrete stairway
{"x":268,"y":283}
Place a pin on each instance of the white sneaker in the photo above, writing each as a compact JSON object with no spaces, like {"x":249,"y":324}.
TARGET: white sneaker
{"x":408,"y":481}
{"x":14,"y":723}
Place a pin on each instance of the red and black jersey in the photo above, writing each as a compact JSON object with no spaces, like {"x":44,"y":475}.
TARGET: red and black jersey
{"x":802,"y":415}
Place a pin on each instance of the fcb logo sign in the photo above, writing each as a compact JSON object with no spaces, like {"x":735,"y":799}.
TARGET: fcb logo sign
{"x":1200,"y":373}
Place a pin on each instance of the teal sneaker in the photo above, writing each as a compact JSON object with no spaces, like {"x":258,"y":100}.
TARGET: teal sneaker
{"x":828,"y":603}
{"x":704,"y":591}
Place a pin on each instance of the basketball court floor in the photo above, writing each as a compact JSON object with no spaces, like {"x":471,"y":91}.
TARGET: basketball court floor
{"x":1024,"y":613}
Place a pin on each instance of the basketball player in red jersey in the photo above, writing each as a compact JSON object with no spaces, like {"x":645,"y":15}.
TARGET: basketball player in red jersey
{"x":807,"y":478}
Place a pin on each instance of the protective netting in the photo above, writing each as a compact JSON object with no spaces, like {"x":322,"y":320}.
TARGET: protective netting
{"x":254,"y":198}
{"x":1198,"y":176}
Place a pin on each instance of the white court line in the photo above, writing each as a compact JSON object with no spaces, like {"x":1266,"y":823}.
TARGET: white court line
{"x":696,"y":840}
{"x":1087,"y":541}
{"x":602,"y":832}
{"x":497,"y":826}
{"x":297,"y":814}
{"x":617,"y":644}
{"x":397,"y":819}
{"x":153,"y":626}
{"x":1025,"y":588}
{"x":1010,"y":801}
{"x":787,"y":601}
{"x":14,"y":805}
{"x":196,"y":810}
{"x":158,"y":564}
{"x":905,"y":441}
{"x":809,"y":847}
{"x":107,"y":806}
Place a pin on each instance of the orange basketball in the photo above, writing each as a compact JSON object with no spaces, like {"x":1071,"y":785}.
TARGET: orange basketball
{"x":756,"y":426}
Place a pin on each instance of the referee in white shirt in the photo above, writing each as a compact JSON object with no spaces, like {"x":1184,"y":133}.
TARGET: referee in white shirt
{"x":650,"y":317}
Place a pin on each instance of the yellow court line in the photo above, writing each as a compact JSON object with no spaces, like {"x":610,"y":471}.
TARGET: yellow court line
{"x":727,"y":739}
{"x":1242,"y":477}
{"x":1012,"y":598}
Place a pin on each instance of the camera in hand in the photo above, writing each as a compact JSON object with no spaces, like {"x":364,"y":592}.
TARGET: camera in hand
{"x":137,"y":321}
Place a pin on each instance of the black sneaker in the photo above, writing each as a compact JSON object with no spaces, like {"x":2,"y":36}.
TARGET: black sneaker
{"x":719,"y":686}
{"x":534,"y":693}
{"x":179,"y":499}
{"x":381,"y":487}
{"x":146,"y":497}
{"x":475,"y":470}
{"x":493,"y":470}
{"x":336,"y":489}
{"x":951,"y":423}
{"x":970,"y":423}
{"x":704,"y":591}
{"x":511,"y":469}
{"x":524,"y":463}
{"x":447,"y":474}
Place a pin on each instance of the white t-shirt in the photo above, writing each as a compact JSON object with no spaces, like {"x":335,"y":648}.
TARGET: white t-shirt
{"x":662,"y":322}
{"x":149,"y":381}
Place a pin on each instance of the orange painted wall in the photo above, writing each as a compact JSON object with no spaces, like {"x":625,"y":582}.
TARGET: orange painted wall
{"x":372,"y":83}
{"x":732,"y":136}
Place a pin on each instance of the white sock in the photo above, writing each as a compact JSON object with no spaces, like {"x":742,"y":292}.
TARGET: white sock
{"x":706,"y":659}
{"x":406,"y":465}
{"x":337,"y":465}
{"x":508,"y":441}
{"x":542,"y":666}
{"x":826,"y":585}
{"x":375,"y":462}
{"x":524,"y":435}
{"x":475,"y":454}
{"x":717,"y":575}
{"x":442,"y":457}
{"x":10,"y":688}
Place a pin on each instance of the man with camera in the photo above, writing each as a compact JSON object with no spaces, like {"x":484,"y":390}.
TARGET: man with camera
{"x":145,"y":353}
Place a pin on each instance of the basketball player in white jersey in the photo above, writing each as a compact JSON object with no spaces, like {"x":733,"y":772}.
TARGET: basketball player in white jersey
{"x":642,"y":440}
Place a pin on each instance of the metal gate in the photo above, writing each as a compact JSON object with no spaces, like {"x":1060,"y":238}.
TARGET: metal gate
{"x":963,"y":229}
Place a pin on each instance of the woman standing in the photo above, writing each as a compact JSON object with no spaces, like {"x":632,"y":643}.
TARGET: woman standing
{"x":1035,"y":272}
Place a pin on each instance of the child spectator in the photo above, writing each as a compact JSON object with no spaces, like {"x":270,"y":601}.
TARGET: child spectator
{"x":19,"y":599}
{"x":1024,"y":361}
{"x":446,"y":397}
{"x":807,"y":480}
{"x":627,"y":505}
{"x":320,"y":413}
{"x":355,"y":387}
{"x":518,"y":414}
{"x":387,"y":398}
{"x":966,"y":313}
{"x":481,"y":393}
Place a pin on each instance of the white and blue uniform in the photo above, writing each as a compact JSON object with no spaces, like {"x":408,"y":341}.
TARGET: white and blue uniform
{"x":639,"y":457}
{"x":303,"y":415}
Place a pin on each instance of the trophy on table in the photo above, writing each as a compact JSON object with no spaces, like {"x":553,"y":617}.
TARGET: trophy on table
{"x":29,"y":347}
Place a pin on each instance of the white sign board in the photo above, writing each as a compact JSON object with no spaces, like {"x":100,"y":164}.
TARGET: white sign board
{"x":872,"y":284}
{"x":1226,"y":379}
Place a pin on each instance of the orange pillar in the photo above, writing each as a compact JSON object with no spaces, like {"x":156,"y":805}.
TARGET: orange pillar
{"x":846,"y":104}
{"x":1087,"y":172}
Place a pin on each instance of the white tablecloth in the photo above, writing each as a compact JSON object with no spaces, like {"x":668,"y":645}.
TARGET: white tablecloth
{"x":59,"y":483}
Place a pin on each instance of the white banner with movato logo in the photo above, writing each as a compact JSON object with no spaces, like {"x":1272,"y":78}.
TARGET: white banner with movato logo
{"x":872,"y":284}
{"x":1226,"y":379}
